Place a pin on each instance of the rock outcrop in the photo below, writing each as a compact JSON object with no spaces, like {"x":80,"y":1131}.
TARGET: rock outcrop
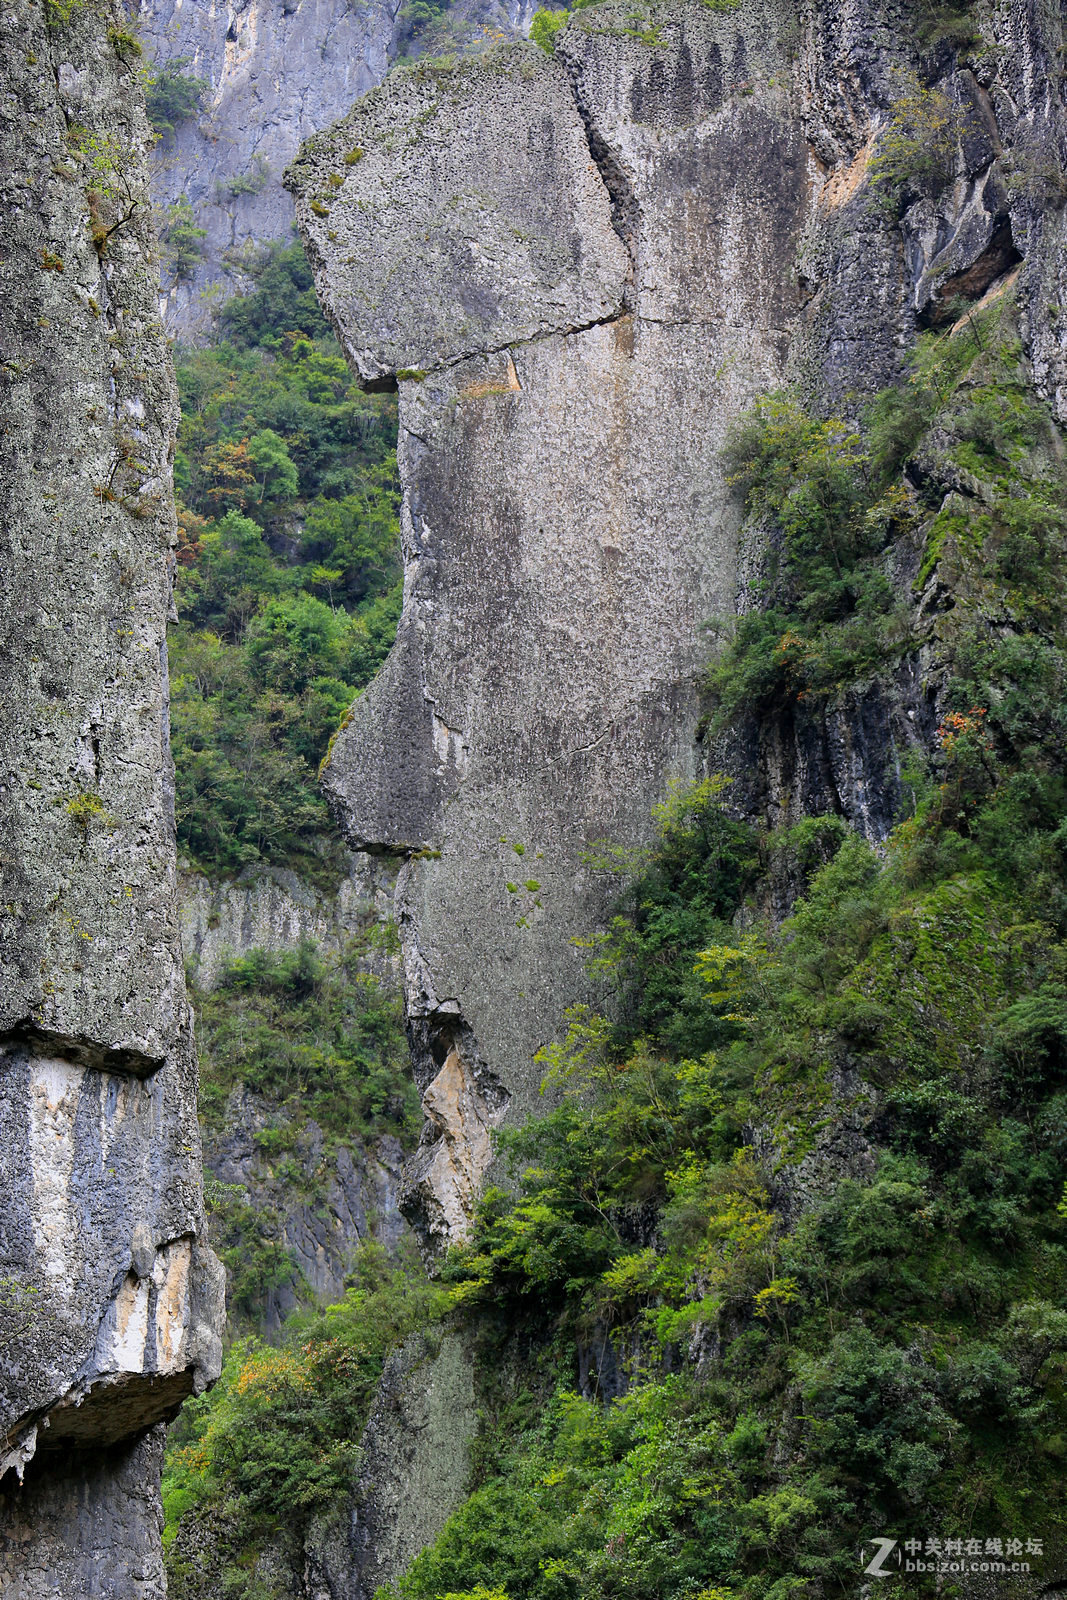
{"x":345,"y":1196}
{"x":346,"y":1193}
{"x":110,"y":1306}
{"x":578,"y":271}
{"x":274,"y":909}
{"x":416,"y":1464}
{"x":276,"y":71}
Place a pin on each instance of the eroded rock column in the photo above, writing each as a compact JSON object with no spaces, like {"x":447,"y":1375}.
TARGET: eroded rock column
{"x":109,"y":1304}
{"x":577,"y":271}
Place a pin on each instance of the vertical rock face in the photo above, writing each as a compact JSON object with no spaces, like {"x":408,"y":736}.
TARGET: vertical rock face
{"x":579,"y":271}
{"x":108,"y":1304}
{"x":274,"y":909}
{"x":277,"y":71}
{"x":587,"y":292}
{"x":415,"y":1470}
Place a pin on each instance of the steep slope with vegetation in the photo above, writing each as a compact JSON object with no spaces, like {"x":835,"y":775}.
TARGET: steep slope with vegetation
{"x":775,"y":1270}
{"x":287,"y":590}
{"x":818,"y":1216}
{"x":288,"y":582}
{"x":796,"y":1208}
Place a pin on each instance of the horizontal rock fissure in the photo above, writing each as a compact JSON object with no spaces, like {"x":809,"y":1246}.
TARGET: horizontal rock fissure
{"x":80,"y":1051}
{"x":499,"y":350}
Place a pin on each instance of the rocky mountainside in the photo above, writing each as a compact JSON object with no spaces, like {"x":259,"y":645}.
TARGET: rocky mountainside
{"x":708,"y":312}
{"x":110,"y":1303}
{"x":606,"y":257}
{"x":290,"y":1202}
{"x":270,"y":75}
{"x":581,"y":272}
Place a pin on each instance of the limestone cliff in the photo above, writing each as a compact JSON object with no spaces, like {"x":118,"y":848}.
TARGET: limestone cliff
{"x":275,"y":73}
{"x":274,"y":909}
{"x":109,"y":1303}
{"x":578,"y":271}
{"x":343,"y":1193}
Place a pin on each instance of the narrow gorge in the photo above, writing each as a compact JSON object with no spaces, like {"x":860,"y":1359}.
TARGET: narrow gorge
{"x":634,"y":1130}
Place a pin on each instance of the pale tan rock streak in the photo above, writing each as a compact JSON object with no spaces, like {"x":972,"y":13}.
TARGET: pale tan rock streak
{"x":464,"y":1150}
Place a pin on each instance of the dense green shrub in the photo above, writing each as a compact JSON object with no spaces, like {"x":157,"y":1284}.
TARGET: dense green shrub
{"x":173,"y":96}
{"x":320,"y":1037}
{"x":278,"y":1438}
{"x":182,"y":240}
{"x":288,"y":583}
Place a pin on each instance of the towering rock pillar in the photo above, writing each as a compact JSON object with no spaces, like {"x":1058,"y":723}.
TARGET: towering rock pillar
{"x":578,"y":270}
{"x":109,"y":1304}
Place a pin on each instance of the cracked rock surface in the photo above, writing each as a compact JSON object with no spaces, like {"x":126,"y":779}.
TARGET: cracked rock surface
{"x":109,"y":1304}
{"x":578,"y":271}
{"x":276,"y":71}
{"x":566,"y":523}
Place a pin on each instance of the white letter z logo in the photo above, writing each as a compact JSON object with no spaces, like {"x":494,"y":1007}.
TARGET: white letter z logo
{"x":877,"y":1568}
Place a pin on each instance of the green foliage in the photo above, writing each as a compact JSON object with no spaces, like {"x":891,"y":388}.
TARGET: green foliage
{"x":892,"y":1360}
{"x":916,"y":150}
{"x":829,"y":613}
{"x":277,"y":1439}
{"x":544,"y":27}
{"x":288,"y":583}
{"x":246,"y":1241}
{"x":173,"y":96}
{"x":182,"y":240}
{"x":684,"y":900}
{"x":825,"y":614}
{"x":882,"y":1340}
{"x":318,"y":1036}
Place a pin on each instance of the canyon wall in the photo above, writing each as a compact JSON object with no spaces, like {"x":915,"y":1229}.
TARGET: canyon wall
{"x":572,"y":328}
{"x":110,"y":1305}
{"x":275,"y":71}
{"x":346,"y":1192}
{"x":579,"y":271}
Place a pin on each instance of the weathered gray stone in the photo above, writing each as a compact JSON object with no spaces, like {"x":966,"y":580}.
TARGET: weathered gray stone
{"x":104,"y":1522}
{"x":566,"y":527}
{"x":416,"y":1465}
{"x":274,"y":909}
{"x":566,"y":523}
{"x":346,"y":1196}
{"x":277,"y":71}
{"x":109,"y":1304}
{"x":470,"y":227}
{"x":346,"y":1193}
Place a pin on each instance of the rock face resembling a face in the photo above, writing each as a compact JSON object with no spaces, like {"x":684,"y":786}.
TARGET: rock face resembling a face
{"x":579,"y":270}
{"x":575,"y":299}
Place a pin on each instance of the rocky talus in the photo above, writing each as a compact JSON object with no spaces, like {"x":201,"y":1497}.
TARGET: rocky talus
{"x":110,"y":1305}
